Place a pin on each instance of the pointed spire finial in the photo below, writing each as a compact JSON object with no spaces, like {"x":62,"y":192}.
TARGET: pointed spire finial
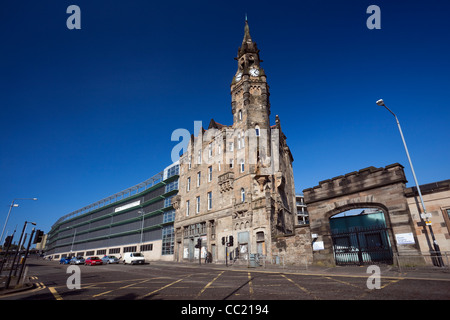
{"x":247,"y":37}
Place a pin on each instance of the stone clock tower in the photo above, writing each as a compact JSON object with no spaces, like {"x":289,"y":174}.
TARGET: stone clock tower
{"x":249,"y":88}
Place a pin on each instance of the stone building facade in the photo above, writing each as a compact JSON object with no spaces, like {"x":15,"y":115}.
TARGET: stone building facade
{"x":436,"y":197}
{"x":236,"y":185}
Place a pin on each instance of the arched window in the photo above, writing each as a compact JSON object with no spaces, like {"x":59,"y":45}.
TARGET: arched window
{"x":240,"y":114}
{"x":242,"y":195}
{"x":257,"y":131}
{"x":239,"y":140}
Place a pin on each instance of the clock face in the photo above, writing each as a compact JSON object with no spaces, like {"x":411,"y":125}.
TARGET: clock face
{"x":254,"y":72}
{"x":238,"y":76}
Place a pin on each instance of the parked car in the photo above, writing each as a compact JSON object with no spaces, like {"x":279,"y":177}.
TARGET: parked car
{"x":77,"y":260}
{"x":133,"y":258}
{"x":110,"y":259}
{"x":91,"y":261}
{"x":64,"y":260}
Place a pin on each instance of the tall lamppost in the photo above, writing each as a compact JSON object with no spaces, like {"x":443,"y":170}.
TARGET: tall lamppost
{"x":9,"y":212}
{"x":425,"y":216}
{"x":141,"y":212}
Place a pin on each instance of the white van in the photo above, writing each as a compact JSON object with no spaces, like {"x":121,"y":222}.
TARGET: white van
{"x":133,"y":258}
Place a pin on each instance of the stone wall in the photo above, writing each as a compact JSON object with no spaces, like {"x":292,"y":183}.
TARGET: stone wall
{"x":295,"y":249}
{"x":381,"y":188}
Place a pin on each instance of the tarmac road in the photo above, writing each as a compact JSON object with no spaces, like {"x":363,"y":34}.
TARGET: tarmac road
{"x":191,"y":282}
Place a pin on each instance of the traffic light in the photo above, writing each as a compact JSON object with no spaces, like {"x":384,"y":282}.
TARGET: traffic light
{"x":199,"y":243}
{"x":230,"y":241}
{"x":8,"y":240}
{"x":38,"y":236}
{"x":223,"y":241}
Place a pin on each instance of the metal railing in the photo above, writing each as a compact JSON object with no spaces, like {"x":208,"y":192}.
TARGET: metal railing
{"x":279,"y":261}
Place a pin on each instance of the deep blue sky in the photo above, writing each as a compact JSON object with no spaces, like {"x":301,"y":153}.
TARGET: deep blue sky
{"x":87,"y":113}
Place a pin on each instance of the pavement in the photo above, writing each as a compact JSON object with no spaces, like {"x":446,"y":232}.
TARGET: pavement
{"x":12,"y":286}
{"x":386,"y":271}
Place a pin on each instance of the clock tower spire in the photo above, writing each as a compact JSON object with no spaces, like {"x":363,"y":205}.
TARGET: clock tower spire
{"x":249,"y":89}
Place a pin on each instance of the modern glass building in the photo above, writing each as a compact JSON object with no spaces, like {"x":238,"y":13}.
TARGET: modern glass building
{"x":137,"y":219}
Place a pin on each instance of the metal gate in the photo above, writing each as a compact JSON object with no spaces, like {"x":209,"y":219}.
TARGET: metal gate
{"x":362,"y":245}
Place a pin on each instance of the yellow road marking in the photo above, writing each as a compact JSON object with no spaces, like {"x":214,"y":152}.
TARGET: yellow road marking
{"x":55,"y":293}
{"x":129,"y":285}
{"x":166,"y":286}
{"x":344,"y":282}
{"x":250,"y":285}
{"x":300,"y":287}
{"x":209,"y":284}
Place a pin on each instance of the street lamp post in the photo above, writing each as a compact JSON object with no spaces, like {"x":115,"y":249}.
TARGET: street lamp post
{"x":9,"y":212}
{"x":425,"y":216}
{"x":141,"y":212}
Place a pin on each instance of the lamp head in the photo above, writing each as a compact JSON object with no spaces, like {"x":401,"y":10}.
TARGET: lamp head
{"x":380,"y":102}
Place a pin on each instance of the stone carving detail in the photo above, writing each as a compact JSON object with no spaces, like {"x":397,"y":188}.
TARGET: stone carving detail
{"x":176,"y":202}
{"x":226,"y":181}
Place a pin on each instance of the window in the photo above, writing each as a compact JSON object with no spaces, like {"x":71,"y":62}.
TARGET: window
{"x":218,"y":165}
{"x":257,"y":133}
{"x":199,"y":177}
{"x":231,"y":146}
{"x":197,"y":207}
{"x":172,"y":186}
{"x":210,"y":174}
{"x":213,"y":229}
{"x":168,"y":239}
{"x":242,"y":166}
{"x":447,"y":218}
{"x":173,"y":171}
{"x":209,"y":200}
{"x":240,"y":114}
{"x":102,"y":251}
{"x":260,"y":236}
{"x":199,"y":157}
{"x":242,"y":140}
{"x":168,"y":201}
{"x":242,"y":195}
{"x":147,"y":247}
{"x":239,"y":140}
{"x":112,"y":251}
{"x":190,"y":162}
{"x":130,"y":249}
{"x":210,"y":150}
{"x":231,"y":163}
{"x":169,"y":216}
{"x":219,"y":147}
{"x":187,"y":208}
{"x":188,"y":184}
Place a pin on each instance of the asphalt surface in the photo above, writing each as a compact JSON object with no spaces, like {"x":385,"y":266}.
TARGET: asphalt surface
{"x":192,"y":282}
